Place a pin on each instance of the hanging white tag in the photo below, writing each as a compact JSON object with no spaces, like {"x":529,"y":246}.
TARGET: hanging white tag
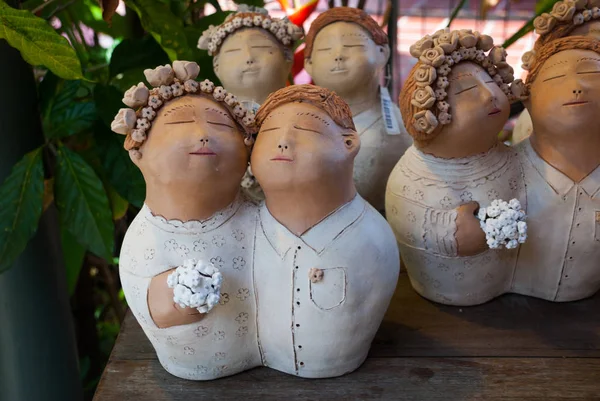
{"x":387,"y":109}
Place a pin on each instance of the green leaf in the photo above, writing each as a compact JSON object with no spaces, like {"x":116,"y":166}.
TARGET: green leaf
{"x":82,"y":203}
{"x":121,"y":173}
{"x":543,"y":6}
{"x":525,"y":29}
{"x":77,"y":118}
{"x":38,"y":43}
{"x":108,"y":101}
{"x":455,"y":12}
{"x":135,"y":54}
{"x":167,"y":28}
{"x":73,"y":253}
{"x":21,"y":200}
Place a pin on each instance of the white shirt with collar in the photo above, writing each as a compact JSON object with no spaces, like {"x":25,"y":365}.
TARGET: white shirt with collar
{"x":379,"y":152}
{"x":561,"y":259}
{"x":324,"y":328}
{"x":224,"y":342}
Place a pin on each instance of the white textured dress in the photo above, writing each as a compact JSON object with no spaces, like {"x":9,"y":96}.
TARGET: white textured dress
{"x":423,"y":194}
{"x":224,"y":342}
{"x":323,"y":328}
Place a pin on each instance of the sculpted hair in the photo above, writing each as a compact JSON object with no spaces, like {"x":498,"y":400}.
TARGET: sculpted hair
{"x":408,"y":110}
{"x":324,"y":99}
{"x":344,"y":14}
{"x":559,"y":45}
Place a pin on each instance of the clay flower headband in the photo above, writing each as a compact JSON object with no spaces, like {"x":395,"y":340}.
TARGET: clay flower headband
{"x":437,"y":54}
{"x":574,"y":12}
{"x":169,"y":83}
{"x":249,"y":17}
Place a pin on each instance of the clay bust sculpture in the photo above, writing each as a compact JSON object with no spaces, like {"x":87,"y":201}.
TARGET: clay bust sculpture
{"x":326,"y":263}
{"x":561,"y":162}
{"x":454,"y":102}
{"x":252,"y":52}
{"x":567,"y":18}
{"x":346,"y":51}
{"x":191,"y":141}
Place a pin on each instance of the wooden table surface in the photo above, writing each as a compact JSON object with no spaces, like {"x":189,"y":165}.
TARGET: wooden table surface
{"x":513,"y":348}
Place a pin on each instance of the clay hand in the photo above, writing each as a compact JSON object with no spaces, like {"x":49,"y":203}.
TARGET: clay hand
{"x":470,"y":238}
{"x":196,"y":285}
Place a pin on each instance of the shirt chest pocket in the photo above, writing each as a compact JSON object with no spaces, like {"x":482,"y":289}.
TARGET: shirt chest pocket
{"x":327,"y":287}
{"x":597,"y":225}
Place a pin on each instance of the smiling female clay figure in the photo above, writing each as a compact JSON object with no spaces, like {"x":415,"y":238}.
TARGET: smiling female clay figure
{"x":561,"y":161}
{"x":455,"y":164}
{"x":346,"y":51}
{"x":567,"y":18}
{"x":327,"y":263}
{"x":191,"y":142}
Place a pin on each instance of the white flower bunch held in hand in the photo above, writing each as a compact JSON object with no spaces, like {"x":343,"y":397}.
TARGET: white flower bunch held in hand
{"x":503,"y":223}
{"x":196,"y":285}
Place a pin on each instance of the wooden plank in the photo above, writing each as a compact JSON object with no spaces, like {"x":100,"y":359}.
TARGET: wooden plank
{"x":431,"y":379}
{"x":511,"y":325}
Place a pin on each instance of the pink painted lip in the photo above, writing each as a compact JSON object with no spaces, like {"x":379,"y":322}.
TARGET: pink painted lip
{"x":250,"y":70}
{"x":494,"y":112}
{"x":281,"y":159}
{"x":203,"y":152}
{"x":575,"y":102}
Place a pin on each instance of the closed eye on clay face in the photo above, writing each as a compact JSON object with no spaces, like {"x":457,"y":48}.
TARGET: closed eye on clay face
{"x":306,"y":129}
{"x":551,"y":78}
{"x":466,"y":89}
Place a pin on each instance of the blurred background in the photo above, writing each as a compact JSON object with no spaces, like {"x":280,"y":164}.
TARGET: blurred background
{"x":69,"y":189}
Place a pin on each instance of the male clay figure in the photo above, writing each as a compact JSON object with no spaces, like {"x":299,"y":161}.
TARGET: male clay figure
{"x":252,"y":52}
{"x":326,"y":263}
{"x":561,"y":162}
{"x":187,"y":138}
{"x":567,"y":18}
{"x":346,"y":51}
{"x":454,"y":103}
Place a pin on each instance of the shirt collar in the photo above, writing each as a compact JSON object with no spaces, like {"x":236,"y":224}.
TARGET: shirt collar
{"x":195,"y":226}
{"x":559,"y":182}
{"x":320,"y":236}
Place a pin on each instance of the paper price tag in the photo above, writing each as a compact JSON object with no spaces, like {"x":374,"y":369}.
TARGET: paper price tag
{"x":387,"y":108}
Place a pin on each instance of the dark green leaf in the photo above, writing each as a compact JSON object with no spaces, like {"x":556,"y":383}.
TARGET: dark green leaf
{"x":120,"y":171}
{"x":525,"y":29}
{"x":137,"y":53}
{"x":108,"y":102}
{"x":167,"y":28}
{"x":543,"y":6}
{"x":455,"y":12}
{"x":78,"y":117}
{"x":73,"y":253}
{"x":129,"y":78}
{"x":201,"y":56}
{"x":38,"y":43}
{"x":82,"y":203}
{"x":21,"y":200}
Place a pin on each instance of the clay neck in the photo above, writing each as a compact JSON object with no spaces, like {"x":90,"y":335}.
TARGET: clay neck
{"x":257,"y":95}
{"x":364,"y":99}
{"x":445,"y":147}
{"x":300,"y":209}
{"x":576,"y":156}
{"x":176,"y":202}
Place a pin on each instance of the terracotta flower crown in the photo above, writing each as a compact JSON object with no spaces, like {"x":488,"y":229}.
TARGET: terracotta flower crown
{"x":574,"y":12}
{"x":249,"y":17}
{"x":437,"y":54}
{"x":169,"y":83}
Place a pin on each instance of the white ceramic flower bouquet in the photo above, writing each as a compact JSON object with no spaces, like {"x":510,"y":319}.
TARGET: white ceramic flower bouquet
{"x":196,"y":285}
{"x":504,"y":224}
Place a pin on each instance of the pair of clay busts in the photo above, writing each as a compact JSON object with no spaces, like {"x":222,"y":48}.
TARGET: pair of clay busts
{"x":453,"y":252}
{"x":298,"y":283}
{"x":346,"y":51}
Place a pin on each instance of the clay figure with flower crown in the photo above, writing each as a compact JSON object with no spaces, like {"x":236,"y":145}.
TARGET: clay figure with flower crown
{"x":253,"y":55}
{"x":186,"y":259}
{"x":326,"y":263}
{"x":567,"y":18}
{"x":346,"y":51}
{"x":454,"y":103}
{"x":561,"y":163}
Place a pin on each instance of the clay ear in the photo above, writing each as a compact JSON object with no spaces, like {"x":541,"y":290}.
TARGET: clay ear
{"x":352,"y":142}
{"x":308,"y":66}
{"x":383,"y":55}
